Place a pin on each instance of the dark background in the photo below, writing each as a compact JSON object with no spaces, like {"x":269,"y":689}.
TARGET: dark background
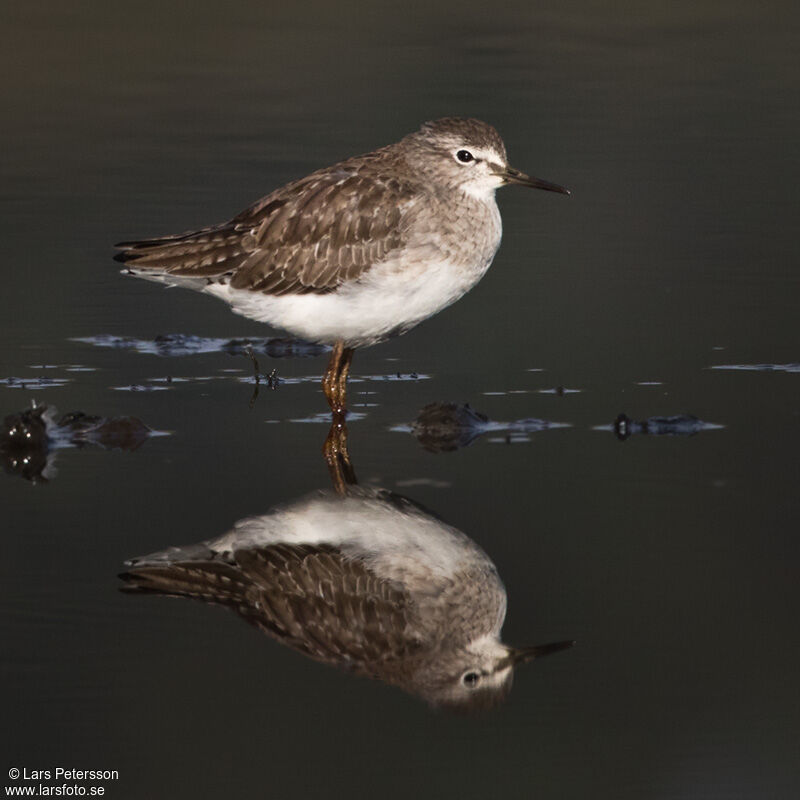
{"x":673,"y":561}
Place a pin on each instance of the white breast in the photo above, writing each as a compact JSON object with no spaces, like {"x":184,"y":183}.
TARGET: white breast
{"x":383,"y":304}
{"x":389,"y":299}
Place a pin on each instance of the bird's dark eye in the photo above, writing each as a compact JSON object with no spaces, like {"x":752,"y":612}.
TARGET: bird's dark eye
{"x":471,"y":679}
{"x":464,"y":156}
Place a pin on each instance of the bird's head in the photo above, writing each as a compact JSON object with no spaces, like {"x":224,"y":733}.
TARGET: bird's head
{"x":480,"y":675}
{"x":467,"y":154}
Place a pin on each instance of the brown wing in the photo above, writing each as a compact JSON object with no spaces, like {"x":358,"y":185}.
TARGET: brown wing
{"x":310,"y":598}
{"x":309,"y":236}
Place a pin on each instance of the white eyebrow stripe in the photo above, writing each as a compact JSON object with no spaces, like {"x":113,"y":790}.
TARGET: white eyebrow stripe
{"x":481,"y":154}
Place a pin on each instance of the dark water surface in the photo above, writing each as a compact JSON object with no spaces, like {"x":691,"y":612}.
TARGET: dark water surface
{"x":665,"y":543}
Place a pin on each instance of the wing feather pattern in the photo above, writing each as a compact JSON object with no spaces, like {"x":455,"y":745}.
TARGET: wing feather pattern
{"x":307,"y":237}
{"x":311,"y":598}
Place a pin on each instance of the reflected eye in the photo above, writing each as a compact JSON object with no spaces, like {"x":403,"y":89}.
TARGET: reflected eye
{"x":464,"y":156}
{"x":471,"y":679}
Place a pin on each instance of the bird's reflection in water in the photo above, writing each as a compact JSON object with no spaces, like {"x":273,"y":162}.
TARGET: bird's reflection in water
{"x":362,"y":579}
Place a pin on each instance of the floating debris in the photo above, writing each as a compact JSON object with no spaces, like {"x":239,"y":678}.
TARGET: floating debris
{"x":110,"y":433}
{"x":392,"y":376}
{"x":444,"y":427}
{"x":34,"y":383}
{"x":298,"y":379}
{"x":279,"y":380}
{"x":323,"y":417}
{"x":30,"y":438}
{"x":678,"y":425}
{"x":760,"y":367}
{"x":24,"y":444}
{"x":65,"y":367}
{"x":561,"y":391}
{"x":180,"y":344}
{"x":142,"y":387}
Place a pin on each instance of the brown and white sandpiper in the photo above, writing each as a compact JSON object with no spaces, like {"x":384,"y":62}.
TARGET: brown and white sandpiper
{"x":367,"y":581}
{"x":356,"y":252}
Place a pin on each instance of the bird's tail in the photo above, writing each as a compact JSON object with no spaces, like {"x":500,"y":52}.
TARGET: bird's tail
{"x":192,"y":572}
{"x":207,"y":254}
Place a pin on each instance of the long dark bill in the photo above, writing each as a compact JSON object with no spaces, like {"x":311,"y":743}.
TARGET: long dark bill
{"x":511,"y":175}
{"x":523,"y":654}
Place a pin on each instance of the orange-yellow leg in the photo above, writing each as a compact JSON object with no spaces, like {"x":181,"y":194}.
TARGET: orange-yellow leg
{"x":334,"y":381}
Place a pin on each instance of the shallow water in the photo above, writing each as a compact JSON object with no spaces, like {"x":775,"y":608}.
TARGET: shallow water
{"x":628,"y":457}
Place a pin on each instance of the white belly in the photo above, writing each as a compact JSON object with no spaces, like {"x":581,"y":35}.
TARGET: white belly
{"x":387,"y":301}
{"x":404,"y":545}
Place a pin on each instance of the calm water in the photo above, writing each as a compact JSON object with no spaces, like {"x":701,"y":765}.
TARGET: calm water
{"x":671,"y":556}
